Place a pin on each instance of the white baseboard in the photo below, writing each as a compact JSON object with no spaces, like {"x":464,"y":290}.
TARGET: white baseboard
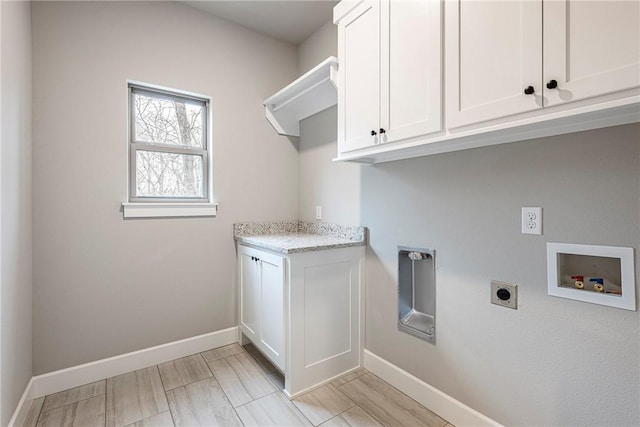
{"x":20,"y":414}
{"x":75,"y":376}
{"x":455,"y":412}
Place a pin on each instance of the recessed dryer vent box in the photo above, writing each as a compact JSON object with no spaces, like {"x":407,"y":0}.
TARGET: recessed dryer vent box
{"x":596,"y":274}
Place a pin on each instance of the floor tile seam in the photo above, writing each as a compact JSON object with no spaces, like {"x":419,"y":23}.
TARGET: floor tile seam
{"x":40,"y":414}
{"x":212,"y":377}
{"x":220,"y":358}
{"x":151,"y":416}
{"x":165,"y":396}
{"x":73,"y":403}
{"x":294,"y":405}
{"x":238,"y":416}
{"x":408,"y":397}
{"x":391,"y":415}
{"x":63,"y":391}
{"x":323,"y":421}
{"x":104,"y":418}
{"x":224,"y":392}
{"x":253,"y":400}
{"x":354,"y":405}
{"x":194,"y":354}
{"x":350,"y":381}
{"x":358,"y":405}
{"x":237,"y":373}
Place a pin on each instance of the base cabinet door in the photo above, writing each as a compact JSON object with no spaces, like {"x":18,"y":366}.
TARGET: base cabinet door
{"x":262,"y":287}
{"x":272,"y":308}
{"x":250,"y":289}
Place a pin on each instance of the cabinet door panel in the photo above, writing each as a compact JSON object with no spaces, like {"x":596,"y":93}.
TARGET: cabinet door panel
{"x":411,"y":68}
{"x":272,"y":308}
{"x":590,"y":48}
{"x":359,"y":77}
{"x":494,"y":51}
{"x":250,"y":289}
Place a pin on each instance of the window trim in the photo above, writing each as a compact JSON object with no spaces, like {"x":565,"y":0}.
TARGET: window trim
{"x":134,"y":146}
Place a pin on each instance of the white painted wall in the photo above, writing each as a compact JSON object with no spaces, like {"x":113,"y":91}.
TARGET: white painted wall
{"x":334,"y":186}
{"x":104,"y":286}
{"x":15,"y":200}
{"x":553,"y":361}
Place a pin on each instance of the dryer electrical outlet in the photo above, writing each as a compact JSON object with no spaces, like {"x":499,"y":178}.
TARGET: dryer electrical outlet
{"x":504,"y":294}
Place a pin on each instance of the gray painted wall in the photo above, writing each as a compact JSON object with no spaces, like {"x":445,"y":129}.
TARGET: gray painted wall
{"x":104,"y":286}
{"x":334,"y":186}
{"x":15,"y":200}
{"x":553,"y":361}
{"x":320,"y":45}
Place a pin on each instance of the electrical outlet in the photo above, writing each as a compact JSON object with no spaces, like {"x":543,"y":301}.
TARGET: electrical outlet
{"x":318,"y":213}
{"x":531,"y":220}
{"x":504,"y":294}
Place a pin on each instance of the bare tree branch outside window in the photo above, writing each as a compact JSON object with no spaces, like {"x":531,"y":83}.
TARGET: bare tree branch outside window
{"x":170,"y":149}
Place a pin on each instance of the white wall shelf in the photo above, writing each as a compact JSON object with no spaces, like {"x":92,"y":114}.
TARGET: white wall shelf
{"x":313,"y":92}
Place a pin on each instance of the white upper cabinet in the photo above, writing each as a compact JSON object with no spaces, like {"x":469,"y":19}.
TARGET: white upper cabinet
{"x":513,"y":70}
{"x":510,"y":57}
{"x":359,"y":76}
{"x":493,"y":54}
{"x":390,"y":71}
{"x":591,"y":48}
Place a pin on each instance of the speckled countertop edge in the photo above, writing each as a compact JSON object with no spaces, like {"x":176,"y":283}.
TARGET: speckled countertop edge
{"x":299,"y":236}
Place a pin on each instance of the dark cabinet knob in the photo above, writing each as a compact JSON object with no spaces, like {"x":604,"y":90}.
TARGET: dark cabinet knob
{"x":552,"y":84}
{"x":374,"y":133}
{"x":382,"y":131}
{"x":529,"y":90}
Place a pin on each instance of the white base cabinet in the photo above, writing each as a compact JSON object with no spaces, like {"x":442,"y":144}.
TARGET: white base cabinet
{"x":304,"y":311}
{"x":262,"y":301}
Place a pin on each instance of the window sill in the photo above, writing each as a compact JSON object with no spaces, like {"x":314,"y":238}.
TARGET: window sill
{"x":157,"y":210}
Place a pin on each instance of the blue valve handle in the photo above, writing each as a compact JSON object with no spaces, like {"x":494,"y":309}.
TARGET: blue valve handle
{"x":597,"y":280}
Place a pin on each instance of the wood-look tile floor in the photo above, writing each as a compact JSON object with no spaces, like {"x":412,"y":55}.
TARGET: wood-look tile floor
{"x":227,"y":386}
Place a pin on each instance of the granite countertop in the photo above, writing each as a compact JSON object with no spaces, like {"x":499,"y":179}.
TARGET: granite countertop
{"x":298,"y":236}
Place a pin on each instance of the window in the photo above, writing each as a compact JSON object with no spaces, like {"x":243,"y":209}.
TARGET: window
{"x":169,"y":147}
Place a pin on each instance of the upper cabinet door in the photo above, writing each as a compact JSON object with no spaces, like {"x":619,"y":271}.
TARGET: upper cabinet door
{"x":411,"y":68}
{"x":493,"y":53}
{"x":590,"y":48}
{"x":359,"y":77}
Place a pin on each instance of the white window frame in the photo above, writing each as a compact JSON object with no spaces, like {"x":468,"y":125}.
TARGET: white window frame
{"x":143,"y":207}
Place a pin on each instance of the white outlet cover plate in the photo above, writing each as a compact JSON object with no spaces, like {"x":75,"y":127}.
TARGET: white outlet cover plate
{"x":531,"y":220}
